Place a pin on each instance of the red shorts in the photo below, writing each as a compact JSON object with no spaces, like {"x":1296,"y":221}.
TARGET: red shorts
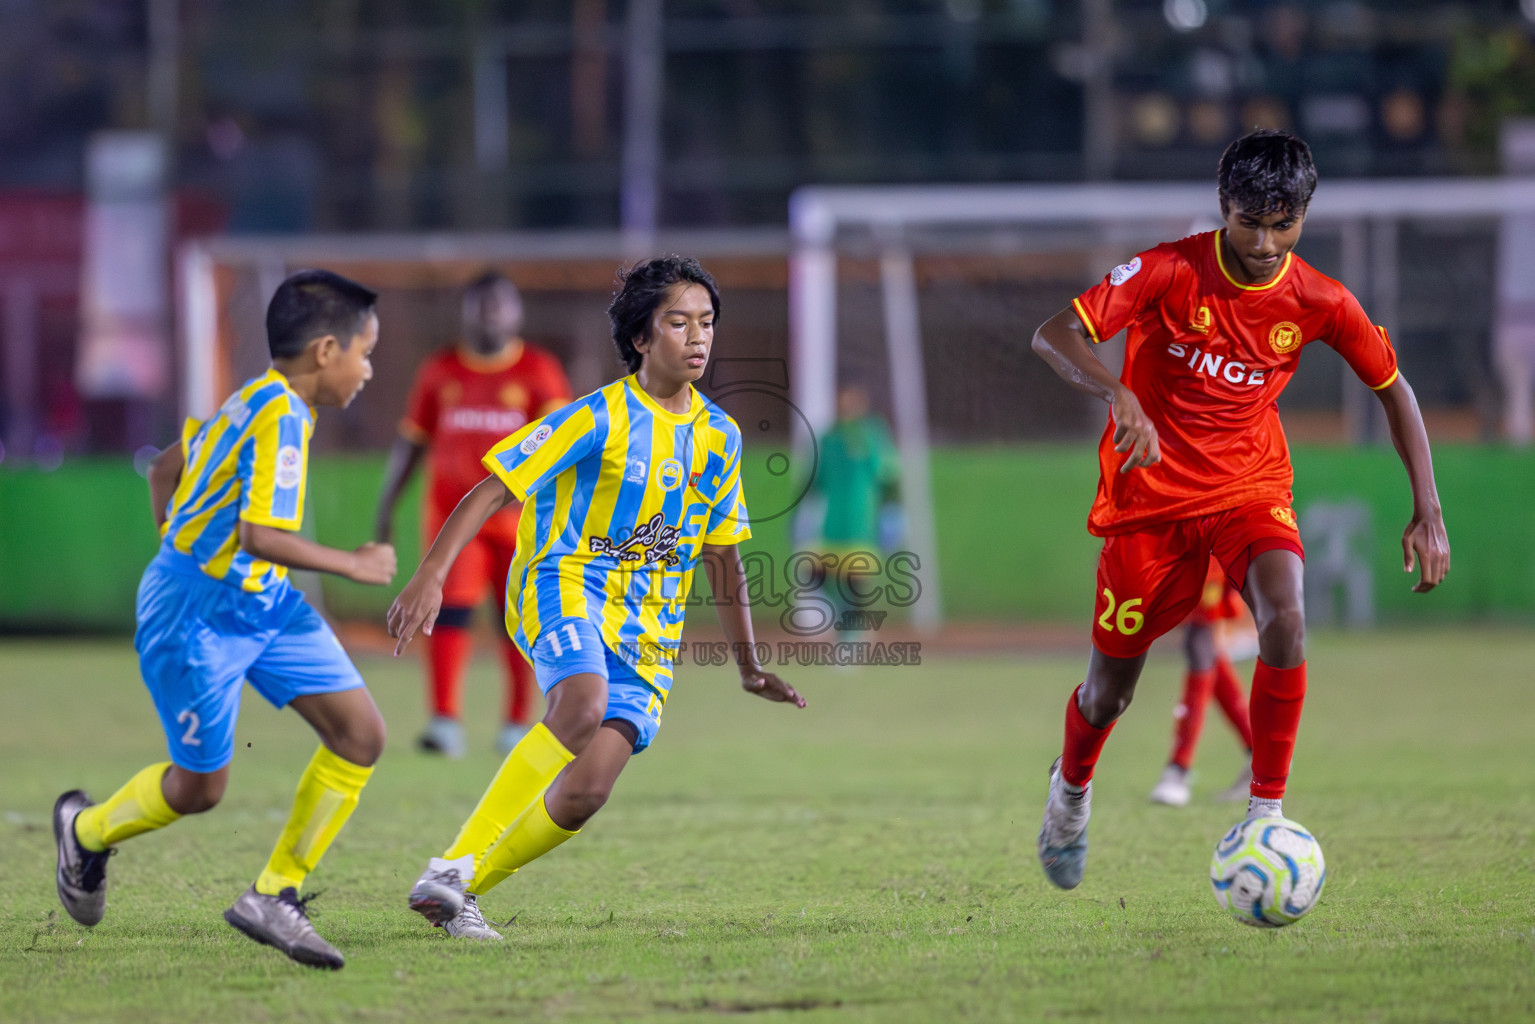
{"x":1219,"y":601}
{"x":481,"y":567}
{"x":1150,"y":579}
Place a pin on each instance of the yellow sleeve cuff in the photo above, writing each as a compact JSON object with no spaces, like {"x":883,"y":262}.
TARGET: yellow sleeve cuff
{"x":1087,"y":321}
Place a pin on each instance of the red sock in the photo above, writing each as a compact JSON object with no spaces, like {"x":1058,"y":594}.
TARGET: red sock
{"x":1229,"y":695}
{"x":1189,"y":716}
{"x":448,"y":650}
{"x":1278,"y":694}
{"x":1084,"y":742}
{"x":519,"y":685}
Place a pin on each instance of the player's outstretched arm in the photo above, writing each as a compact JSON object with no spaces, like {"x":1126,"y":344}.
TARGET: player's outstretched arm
{"x":421,"y":600}
{"x":164,"y":475}
{"x":728,"y":579}
{"x":1063,"y":342}
{"x":370,"y":563}
{"x":404,"y":456}
{"x":1425,"y":544}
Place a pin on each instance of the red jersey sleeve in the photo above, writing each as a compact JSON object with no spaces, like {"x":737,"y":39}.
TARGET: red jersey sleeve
{"x":421,"y":409}
{"x":553,"y":389}
{"x":1363,"y":345}
{"x":1110,"y":306}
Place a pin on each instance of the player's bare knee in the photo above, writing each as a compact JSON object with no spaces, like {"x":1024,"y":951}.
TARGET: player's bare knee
{"x":579,"y":803}
{"x":577,"y":706}
{"x":188,"y":792}
{"x":1101,"y":700}
{"x":358,"y":739}
{"x":1282,"y":637}
{"x":575,"y":722}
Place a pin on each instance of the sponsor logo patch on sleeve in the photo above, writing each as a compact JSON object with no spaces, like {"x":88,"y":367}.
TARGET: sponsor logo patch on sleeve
{"x":290,"y":467}
{"x":533,"y":441}
{"x":1122,"y":273}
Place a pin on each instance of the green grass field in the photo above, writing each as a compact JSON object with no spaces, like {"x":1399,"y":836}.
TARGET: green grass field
{"x":870,"y":858}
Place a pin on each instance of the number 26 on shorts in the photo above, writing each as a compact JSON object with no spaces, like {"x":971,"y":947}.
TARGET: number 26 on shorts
{"x":1123,"y":617}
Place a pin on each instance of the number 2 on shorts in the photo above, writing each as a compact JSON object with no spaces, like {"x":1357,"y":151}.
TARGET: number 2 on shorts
{"x":190,"y":718}
{"x":1128,"y":620}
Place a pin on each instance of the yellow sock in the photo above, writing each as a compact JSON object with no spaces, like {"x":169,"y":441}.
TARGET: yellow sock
{"x":327,"y":793}
{"x":138,"y":807}
{"x":528,"y":838}
{"x":525,"y":774}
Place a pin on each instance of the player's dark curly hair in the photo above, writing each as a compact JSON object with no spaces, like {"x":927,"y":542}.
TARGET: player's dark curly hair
{"x":1267,"y":171}
{"x":311,"y":304}
{"x":641,"y":289}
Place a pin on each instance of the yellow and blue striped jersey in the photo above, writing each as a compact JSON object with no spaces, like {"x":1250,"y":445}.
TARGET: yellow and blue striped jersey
{"x":619,"y":496}
{"x":248,"y":461}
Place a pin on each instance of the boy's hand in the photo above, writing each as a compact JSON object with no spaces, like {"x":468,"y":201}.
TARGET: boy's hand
{"x":769,"y":687}
{"x":415,"y":608}
{"x":1134,"y":432}
{"x":373,"y":563}
{"x":1426,"y":547}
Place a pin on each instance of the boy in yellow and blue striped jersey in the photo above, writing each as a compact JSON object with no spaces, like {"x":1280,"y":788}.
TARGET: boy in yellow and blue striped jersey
{"x":215,"y":609}
{"x":624,"y":491}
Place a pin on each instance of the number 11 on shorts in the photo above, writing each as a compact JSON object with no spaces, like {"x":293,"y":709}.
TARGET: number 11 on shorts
{"x":1124,"y":616}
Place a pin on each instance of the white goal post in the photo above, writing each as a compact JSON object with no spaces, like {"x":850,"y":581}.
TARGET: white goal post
{"x":890,"y":222}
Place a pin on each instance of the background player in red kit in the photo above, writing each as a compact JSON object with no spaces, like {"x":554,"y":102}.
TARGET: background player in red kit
{"x":1193,"y":461}
{"x":465,"y":399}
{"x":1209,"y":674}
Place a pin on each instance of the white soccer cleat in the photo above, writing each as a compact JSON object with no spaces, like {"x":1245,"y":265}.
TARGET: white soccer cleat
{"x":443,"y":736}
{"x":1172,"y":788}
{"x":439,"y":894}
{"x":1258,"y":807}
{"x":469,"y":923}
{"x":282,"y":922}
{"x":1240,"y":788}
{"x":1063,"y":834}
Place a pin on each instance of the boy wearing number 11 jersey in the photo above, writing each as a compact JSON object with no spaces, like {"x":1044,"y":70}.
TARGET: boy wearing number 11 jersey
{"x":1193,"y":461}
{"x":623,"y":492}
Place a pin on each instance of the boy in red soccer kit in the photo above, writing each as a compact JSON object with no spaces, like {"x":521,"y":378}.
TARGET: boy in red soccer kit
{"x":465,"y":399}
{"x":1193,"y":461}
{"x":1210,"y":674}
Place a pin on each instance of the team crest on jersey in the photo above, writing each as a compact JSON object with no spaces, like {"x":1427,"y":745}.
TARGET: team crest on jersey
{"x":1284,"y":338}
{"x":669,"y":474}
{"x":1285,"y":515}
{"x":451,"y":392}
{"x":531,"y":443}
{"x":1201,"y":321}
{"x":290,"y":468}
{"x":514,"y":396}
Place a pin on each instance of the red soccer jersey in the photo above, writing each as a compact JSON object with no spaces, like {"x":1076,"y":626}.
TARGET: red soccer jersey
{"x":463,"y":406}
{"x":1208,"y":357}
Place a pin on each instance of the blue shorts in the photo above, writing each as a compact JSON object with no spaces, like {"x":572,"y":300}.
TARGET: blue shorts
{"x":199,"y":639}
{"x":571,"y":646}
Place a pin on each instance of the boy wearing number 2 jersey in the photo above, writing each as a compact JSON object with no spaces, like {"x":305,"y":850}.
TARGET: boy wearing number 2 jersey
{"x":216,"y":609}
{"x":1193,"y":461}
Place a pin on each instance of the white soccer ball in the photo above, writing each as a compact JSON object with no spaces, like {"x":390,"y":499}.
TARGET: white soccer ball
{"x":1267,"y":872}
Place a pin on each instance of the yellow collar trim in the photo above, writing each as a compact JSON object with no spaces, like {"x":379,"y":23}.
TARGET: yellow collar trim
{"x":694,"y":403}
{"x":1221,"y":262}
